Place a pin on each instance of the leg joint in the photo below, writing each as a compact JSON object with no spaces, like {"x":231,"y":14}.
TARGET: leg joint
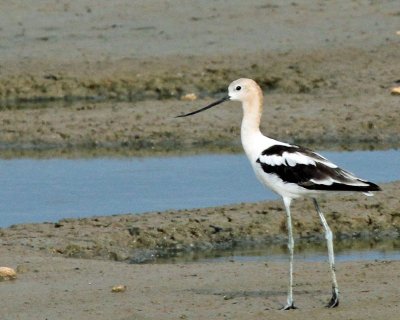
{"x":328,"y":233}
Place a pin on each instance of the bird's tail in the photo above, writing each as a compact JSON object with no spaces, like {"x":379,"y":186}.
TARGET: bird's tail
{"x":371,"y":187}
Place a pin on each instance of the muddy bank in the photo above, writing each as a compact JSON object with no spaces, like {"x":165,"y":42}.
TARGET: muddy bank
{"x":141,"y":238}
{"x":358,"y":121}
{"x":327,"y":99}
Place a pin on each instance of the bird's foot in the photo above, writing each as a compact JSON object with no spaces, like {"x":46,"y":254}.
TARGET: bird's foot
{"x":289,"y":306}
{"x":334,"y":302}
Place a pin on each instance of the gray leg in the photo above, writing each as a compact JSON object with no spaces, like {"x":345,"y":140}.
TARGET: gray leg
{"x":334,"y":302}
{"x":289,"y":304}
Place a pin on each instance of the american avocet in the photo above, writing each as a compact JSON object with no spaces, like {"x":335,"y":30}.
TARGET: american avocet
{"x":289,"y":170}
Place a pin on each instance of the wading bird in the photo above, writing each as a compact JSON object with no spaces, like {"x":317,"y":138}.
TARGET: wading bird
{"x":289,"y":170}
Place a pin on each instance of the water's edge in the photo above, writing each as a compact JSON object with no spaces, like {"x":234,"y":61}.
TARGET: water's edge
{"x":361,"y":248}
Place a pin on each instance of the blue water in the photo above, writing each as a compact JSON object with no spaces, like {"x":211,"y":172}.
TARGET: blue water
{"x":48,"y":190}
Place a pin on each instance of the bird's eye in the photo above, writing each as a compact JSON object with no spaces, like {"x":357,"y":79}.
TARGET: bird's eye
{"x":238,"y":88}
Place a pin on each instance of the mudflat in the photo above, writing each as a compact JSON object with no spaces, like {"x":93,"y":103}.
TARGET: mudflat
{"x":86,"y":77}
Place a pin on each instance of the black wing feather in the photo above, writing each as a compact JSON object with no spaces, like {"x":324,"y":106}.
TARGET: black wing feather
{"x":302,"y":174}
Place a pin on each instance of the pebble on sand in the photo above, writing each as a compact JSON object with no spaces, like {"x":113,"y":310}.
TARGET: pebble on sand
{"x":395,"y":91}
{"x":119,"y":288}
{"x":7,"y":274}
{"x":189,"y":97}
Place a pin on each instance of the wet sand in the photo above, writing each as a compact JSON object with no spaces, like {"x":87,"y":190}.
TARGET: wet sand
{"x":61,"y":288}
{"x":326,"y":68}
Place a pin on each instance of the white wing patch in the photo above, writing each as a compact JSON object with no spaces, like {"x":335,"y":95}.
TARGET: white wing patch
{"x":294,"y":158}
{"x":328,"y":181}
{"x":273,"y":160}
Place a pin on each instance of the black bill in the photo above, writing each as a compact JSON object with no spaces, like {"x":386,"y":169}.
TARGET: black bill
{"x":205,"y":108}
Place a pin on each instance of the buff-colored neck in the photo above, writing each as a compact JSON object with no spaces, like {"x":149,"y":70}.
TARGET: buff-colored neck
{"x":252,"y":111}
{"x":250,"y":129}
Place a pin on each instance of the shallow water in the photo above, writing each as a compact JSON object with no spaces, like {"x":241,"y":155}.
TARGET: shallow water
{"x":315,"y":251}
{"x":48,"y":190}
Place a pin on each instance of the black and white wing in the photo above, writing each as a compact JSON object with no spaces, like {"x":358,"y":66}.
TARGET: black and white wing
{"x":307,"y":169}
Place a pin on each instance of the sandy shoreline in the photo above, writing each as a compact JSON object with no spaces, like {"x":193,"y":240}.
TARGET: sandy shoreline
{"x":95,"y":78}
{"x":62,"y":288}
